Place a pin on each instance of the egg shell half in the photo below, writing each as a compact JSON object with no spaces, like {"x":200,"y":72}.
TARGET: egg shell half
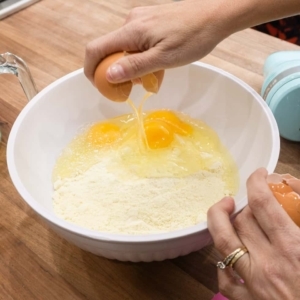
{"x":119,"y":92}
{"x":291,"y":204}
{"x":288,"y":197}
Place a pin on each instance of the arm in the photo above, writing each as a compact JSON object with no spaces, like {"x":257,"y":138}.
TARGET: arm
{"x":257,"y":12}
{"x":178,"y":33}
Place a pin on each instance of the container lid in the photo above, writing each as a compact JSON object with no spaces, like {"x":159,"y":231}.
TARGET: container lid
{"x":285,"y":105}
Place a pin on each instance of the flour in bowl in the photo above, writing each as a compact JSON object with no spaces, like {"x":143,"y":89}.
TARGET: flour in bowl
{"x":121,"y":202}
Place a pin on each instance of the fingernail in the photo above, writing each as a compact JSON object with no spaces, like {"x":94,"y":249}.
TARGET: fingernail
{"x":115,"y":72}
{"x":136,"y":81}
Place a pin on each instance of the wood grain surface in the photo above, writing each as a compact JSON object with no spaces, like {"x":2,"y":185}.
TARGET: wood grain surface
{"x":34,"y":262}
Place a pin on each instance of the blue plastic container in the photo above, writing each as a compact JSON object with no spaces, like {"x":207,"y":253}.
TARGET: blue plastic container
{"x":281,"y":90}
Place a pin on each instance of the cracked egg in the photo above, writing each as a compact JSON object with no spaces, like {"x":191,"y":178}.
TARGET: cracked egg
{"x":286,"y":189}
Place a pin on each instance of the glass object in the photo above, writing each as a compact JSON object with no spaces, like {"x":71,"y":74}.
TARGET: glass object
{"x":9,"y":7}
{"x":12,"y":64}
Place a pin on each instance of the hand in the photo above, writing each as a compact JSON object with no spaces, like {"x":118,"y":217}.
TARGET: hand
{"x":178,"y":33}
{"x":271,"y":269}
{"x":168,"y":36}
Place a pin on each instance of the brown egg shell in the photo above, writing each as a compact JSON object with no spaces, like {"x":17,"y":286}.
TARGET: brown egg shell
{"x":118,"y":92}
{"x":158,"y":74}
{"x":291,"y":201}
{"x":291,"y":205}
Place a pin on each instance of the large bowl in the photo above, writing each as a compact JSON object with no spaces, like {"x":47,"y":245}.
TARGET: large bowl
{"x":48,"y":122}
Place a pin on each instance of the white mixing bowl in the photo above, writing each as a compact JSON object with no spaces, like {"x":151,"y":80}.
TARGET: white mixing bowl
{"x":48,"y":122}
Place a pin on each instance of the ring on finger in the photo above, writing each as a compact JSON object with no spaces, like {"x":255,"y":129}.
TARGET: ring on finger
{"x":232,"y":258}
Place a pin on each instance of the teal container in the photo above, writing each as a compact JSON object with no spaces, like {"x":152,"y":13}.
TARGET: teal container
{"x":281,"y":90}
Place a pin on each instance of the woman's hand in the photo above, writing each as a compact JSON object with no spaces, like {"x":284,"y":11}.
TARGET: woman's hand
{"x":168,"y":35}
{"x":271,"y":268}
{"x":175,"y":34}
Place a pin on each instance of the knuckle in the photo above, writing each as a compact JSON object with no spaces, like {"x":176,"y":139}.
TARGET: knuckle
{"x":222,"y":243}
{"x":128,"y":18}
{"x":211,"y":211}
{"x":134,"y":13}
{"x":174,"y":57}
{"x":139,"y":31}
{"x":91,"y":50}
{"x":136,"y":63}
{"x":289,"y":252}
{"x":271,"y":271}
{"x":258,"y":200}
{"x":250,"y":178}
{"x":137,"y":11}
{"x":289,"y":245}
{"x":253,"y":176}
{"x":135,"y":35}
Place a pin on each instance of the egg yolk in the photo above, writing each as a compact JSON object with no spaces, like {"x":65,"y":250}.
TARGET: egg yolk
{"x":178,"y":126}
{"x":158,"y":134}
{"x":103,"y":133}
{"x":159,"y":128}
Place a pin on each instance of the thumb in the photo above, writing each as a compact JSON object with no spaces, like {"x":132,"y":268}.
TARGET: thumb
{"x":133,"y":66}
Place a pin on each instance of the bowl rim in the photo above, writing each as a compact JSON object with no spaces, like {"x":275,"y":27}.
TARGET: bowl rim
{"x":124,"y":238}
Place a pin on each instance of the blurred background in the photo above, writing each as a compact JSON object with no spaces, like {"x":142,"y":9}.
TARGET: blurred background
{"x":286,"y":29}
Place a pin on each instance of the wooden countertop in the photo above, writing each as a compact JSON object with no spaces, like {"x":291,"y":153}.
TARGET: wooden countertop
{"x":34,"y":262}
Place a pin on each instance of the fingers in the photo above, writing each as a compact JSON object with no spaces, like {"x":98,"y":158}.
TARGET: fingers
{"x":98,"y":49}
{"x":270,"y":216}
{"x":249,"y":231}
{"x":127,"y":68}
{"x":135,"y":65}
{"x":223,"y":233}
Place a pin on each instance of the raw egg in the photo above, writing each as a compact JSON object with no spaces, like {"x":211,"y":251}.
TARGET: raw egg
{"x":119,"y":92}
{"x":286,"y":194}
{"x":158,"y":134}
{"x":104,"y":133}
{"x":170,"y":118}
{"x":172,"y":145}
{"x":159,"y":127}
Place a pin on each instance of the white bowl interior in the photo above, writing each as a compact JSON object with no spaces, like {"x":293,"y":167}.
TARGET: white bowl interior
{"x":237,"y":113}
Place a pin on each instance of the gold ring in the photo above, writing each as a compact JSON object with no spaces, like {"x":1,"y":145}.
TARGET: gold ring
{"x":238,"y":256}
{"x":232,"y":258}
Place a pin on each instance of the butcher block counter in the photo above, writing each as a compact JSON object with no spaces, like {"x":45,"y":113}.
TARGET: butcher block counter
{"x":34,"y":262}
